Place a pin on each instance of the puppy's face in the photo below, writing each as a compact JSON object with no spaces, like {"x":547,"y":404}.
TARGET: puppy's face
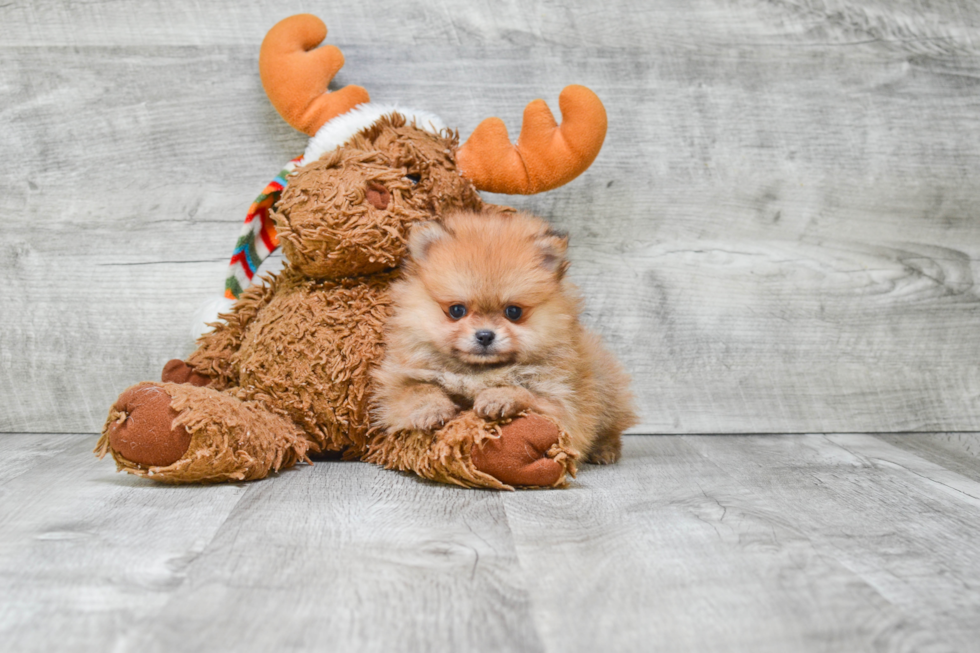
{"x":486,"y":288}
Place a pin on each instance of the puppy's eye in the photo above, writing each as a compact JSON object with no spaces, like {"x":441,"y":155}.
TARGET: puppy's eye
{"x":457,"y":311}
{"x":415,"y":179}
{"x":513,"y":313}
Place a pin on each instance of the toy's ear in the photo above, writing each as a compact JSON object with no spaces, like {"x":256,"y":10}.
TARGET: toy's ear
{"x":553,"y":246}
{"x":424,"y":235}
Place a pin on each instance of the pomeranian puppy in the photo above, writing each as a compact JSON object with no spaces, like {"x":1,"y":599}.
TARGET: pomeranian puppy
{"x":485,"y":319}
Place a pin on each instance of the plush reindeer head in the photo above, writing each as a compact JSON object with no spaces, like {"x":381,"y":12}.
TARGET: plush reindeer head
{"x":371,"y":172}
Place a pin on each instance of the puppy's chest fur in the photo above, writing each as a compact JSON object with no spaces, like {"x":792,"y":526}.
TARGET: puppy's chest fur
{"x":538,"y":379}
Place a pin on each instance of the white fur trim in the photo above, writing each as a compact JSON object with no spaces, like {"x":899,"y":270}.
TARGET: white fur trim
{"x":208,"y":312}
{"x":337,"y":131}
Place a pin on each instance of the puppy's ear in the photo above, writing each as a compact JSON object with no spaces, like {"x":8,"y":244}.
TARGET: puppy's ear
{"x":423,"y":236}
{"x":553,"y":246}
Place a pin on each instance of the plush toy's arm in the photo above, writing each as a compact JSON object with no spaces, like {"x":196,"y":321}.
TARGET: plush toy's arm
{"x":528,"y":451}
{"x":215,"y":355}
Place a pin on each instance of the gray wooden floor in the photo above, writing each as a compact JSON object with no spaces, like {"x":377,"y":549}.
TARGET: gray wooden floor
{"x":693,"y":543}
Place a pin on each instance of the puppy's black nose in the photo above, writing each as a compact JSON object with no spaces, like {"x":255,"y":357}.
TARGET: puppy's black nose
{"x":485,"y":337}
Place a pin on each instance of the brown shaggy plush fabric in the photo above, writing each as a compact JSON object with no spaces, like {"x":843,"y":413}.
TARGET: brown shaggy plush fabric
{"x":326,"y":226}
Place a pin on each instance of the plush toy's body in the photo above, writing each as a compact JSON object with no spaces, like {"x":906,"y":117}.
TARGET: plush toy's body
{"x":286,"y":374}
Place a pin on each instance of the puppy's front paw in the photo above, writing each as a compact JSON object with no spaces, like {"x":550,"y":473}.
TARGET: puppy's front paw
{"x":500,"y":403}
{"x":433,"y":413}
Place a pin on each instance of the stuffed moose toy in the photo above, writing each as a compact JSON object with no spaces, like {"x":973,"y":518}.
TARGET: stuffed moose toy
{"x":285,"y":374}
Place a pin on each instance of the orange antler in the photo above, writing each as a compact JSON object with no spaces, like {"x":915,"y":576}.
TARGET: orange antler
{"x":546,"y":155}
{"x":295,"y":76}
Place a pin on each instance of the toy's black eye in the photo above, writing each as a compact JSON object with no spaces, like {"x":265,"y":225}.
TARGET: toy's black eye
{"x":415,"y":179}
{"x":457,"y":311}
{"x":513,"y":313}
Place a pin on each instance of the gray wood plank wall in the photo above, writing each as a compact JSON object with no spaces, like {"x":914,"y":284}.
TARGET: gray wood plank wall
{"x":780,"y":234}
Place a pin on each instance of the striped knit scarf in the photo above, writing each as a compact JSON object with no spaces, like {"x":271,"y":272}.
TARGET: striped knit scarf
{"x":258,"y":238}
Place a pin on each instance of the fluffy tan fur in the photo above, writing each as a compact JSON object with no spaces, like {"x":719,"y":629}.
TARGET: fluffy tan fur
{"x":484,"y":318}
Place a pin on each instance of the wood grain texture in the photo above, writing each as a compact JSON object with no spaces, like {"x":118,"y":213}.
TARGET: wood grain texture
{"x":958,"y":452}
{"x":929,"y":25}
{"x":780,"y":234}
{"x":85,"y":553}
{"x":676,"y":551}
{"x":348,"y":556}
{"x":21,"y":452}
{"x":762,"y":544}
{"x":907,"y":526}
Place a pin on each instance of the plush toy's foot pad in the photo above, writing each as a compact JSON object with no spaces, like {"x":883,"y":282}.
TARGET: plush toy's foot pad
{"x":520,"y":456}
{"x":177,"y":371}
{"x":142,"y":430}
